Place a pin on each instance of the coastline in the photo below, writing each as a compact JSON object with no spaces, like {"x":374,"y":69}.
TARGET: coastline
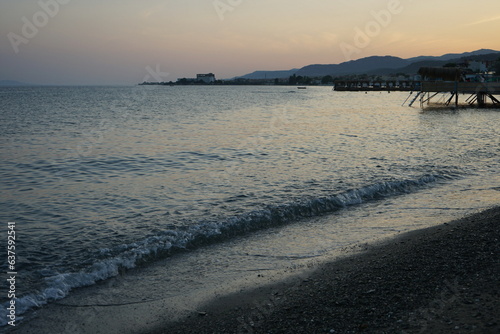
{"x":440,"y":279}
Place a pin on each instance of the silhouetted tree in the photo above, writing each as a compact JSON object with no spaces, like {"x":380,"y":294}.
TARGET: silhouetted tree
{"x":496,"y":67}
{"x":327,"y":79}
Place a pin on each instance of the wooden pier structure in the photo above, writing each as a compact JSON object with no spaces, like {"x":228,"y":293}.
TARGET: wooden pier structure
{"x":451,"y":81}
{"x":479,"y":92}
{"x":375,"y":85}
{"x":447,"y":82}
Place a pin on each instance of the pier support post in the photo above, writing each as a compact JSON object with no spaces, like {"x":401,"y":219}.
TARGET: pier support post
{"x":481,"y":99}
{"x":494,"y":99}
{"x":456,"y":93}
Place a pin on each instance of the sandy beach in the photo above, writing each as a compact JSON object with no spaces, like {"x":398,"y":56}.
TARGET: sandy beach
{"x":443,"y":279}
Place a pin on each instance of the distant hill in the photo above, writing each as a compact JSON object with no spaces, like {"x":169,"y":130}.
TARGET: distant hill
{"x":13,"y":83}
{"x":269,"y":74}
{"x":381,"y":65}
{"x":450,"y":56}
{"x":409,"y":69}
{"x":428,"y":62}
{"x":353,"y":67}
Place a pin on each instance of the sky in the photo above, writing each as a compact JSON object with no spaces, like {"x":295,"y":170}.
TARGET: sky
{"x":94,"y":42}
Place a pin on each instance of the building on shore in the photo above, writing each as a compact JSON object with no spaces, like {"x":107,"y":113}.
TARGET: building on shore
{"x":206,"y":78}
{"x":203,"y":79}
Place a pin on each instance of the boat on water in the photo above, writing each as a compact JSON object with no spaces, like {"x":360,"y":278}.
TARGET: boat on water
{"x":301,"y":87}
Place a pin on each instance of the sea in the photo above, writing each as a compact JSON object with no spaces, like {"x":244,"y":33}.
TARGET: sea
{"x":98,"y":182}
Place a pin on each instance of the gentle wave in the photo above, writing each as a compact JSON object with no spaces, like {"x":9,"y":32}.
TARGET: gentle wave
{"x":159,"y":246}
{"x":93,"y":169}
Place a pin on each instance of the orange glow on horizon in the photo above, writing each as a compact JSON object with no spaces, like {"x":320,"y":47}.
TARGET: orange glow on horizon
{"x":234,"y":39}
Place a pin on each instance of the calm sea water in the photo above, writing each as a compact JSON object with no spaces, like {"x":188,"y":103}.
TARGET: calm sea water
{"x":100,"y":179}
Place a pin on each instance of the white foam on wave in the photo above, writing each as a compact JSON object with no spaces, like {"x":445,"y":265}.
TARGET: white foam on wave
{"x":58,"y":286}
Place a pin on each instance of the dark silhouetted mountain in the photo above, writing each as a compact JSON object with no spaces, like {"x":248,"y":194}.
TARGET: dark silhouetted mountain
{"x":377,"y":65}
{"x":410,"y":69}
{"x":450,"y":56}
{"x":414,"y":67}
{"x":353,"y":67}
{"x":269,"y":74}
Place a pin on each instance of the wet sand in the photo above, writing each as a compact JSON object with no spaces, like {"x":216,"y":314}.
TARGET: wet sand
{"x":443,"y":279}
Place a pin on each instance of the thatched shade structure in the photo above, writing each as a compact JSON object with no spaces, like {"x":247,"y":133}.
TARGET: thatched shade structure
{"x":443,"y":73}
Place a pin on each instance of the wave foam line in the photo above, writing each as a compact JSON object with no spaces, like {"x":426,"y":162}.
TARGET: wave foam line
{"x":164,"y":244}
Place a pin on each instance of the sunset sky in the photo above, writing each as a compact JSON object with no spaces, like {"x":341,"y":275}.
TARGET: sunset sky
{"x":124,"y":41}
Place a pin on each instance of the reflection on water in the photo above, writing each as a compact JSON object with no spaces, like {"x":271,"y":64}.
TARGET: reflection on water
{"x":118,"y":174}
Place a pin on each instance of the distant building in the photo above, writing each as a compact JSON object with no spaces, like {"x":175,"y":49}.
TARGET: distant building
{"x":186,"y":81}
{"x":478,"y":66}
{"x":206,"y":78}
{"x":200,"y":79}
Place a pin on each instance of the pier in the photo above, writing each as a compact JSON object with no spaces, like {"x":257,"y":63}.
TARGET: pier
{"x":479,"y":93}
{"x":375,"y":85}
{"x":450,"y":83}
{"x":438,"y":85}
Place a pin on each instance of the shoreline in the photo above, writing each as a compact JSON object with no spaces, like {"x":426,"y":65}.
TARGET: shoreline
{"x":440,"y":279}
